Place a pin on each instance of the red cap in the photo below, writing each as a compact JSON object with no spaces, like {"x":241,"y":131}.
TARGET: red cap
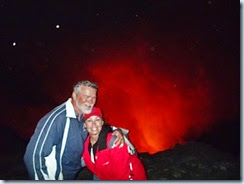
{"x":95,"y":112}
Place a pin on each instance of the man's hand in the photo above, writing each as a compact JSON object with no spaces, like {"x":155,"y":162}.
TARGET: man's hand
{"x":119,"y":141}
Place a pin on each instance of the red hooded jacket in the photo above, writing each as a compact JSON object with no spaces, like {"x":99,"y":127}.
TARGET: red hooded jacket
{"x":114,"y":163}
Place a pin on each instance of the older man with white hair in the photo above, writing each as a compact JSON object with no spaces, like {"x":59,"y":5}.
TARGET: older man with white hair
{"x":55,"y":148}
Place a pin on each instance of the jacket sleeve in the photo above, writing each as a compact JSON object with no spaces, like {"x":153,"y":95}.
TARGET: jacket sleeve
{"x":42,"y":143}
{"x":127,"y":141}
{"x":125,"y":166}
{"x":119,"y":158}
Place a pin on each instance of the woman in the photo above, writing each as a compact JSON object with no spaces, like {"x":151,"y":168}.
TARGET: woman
{"x":105,"y":162}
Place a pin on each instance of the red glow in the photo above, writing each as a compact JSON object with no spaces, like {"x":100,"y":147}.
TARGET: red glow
{"x":159,"y":110}
{"x":162,"y":101}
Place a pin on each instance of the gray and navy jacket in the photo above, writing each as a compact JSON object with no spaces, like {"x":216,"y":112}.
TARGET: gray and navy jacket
{"x":55,"y":148}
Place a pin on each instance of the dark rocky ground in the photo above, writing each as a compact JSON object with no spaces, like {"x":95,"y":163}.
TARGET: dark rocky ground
{"x":191,"y":161}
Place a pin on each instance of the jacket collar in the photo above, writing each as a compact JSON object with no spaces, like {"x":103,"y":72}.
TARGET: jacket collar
{"x":70,"y":111}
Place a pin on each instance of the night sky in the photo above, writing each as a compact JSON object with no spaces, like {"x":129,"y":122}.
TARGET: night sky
{"x":169,"y":71}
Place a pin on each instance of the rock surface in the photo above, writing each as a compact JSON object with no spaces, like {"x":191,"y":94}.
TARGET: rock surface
{"x":191,"y":161}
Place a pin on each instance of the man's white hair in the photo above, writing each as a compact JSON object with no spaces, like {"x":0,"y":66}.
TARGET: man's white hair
{"x":84,"y":83}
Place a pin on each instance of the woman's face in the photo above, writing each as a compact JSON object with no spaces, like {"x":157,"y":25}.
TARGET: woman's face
{"x":94,"y":125}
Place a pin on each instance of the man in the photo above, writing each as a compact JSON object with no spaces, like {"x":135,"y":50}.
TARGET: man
{"x":55,"y":148}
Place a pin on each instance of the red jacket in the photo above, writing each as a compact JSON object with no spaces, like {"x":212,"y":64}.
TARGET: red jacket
{"x":114,"y":163}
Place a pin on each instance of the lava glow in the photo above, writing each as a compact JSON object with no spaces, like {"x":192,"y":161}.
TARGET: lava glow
{"x":162,"y":102}
{"x":159,"y":110}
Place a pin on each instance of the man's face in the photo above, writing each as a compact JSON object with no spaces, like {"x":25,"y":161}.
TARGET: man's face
{"x":86,"y":99}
